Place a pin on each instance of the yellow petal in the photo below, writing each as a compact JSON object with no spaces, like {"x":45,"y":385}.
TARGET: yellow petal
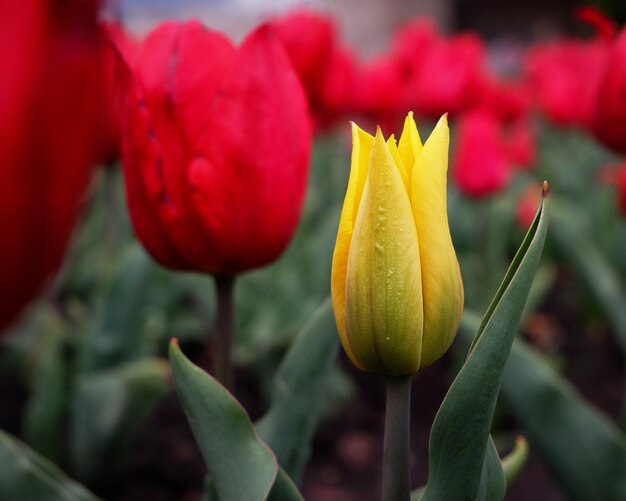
{"x":410,"y":145}
{"x":441,"y":279}
{"x":395,"y":154}
{"x":361,"y":150}
{"x":383,"y":314}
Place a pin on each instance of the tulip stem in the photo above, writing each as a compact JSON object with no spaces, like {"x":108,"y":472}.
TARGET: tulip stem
{"x":396,"y":479}
{"x":223,"y":333}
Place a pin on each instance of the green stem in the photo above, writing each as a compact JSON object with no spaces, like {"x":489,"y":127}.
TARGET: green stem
{"x":223,"y":333}
{"x":396,"y":479}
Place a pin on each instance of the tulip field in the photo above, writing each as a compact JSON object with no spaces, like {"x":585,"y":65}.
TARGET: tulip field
{"x":279,"y":267}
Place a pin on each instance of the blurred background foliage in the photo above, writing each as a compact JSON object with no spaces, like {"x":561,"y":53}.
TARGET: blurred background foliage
{"x":88,"y":359}
{"x":91,"y":353}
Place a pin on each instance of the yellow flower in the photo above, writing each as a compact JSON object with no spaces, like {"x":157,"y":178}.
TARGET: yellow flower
{"x":396,"y":287}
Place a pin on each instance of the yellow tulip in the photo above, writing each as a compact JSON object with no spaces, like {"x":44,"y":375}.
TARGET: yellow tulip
{"x":396,"y":287}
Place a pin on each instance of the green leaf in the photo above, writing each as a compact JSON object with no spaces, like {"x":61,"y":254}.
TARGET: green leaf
{"x":512,"y":464}
{"x":583,"y":448}
{"x":496,"y":475}
{"x":460,"y":434}
{"x":241,"y":465}
{"x":283,"y":489}
{"x":602,"y":279}
{"x":108,"y":409}
{"x":298,"y":392}
{"x":493,"y":479}
{"x":27,"y":476}
{"x":48,"y":402}
{"x":492,"y":484}
{"x":111,"y":336}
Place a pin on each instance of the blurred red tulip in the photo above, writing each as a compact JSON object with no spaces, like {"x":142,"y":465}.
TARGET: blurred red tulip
{"x":527,"y":205}
{"x":481,"y":167}
{"x":565,"y":77}
{"x":50,"y":94}
{"x":610,"y":113}
{"x":510,"y":100}
{"x":604,"y":26}
{"x":325,"y":69}
{"x":215,"y":144}
{"x":451,"y":76}
{"x":378,"y":92}
{"x":615,"y":175}
{"x":519,"y":142}
{"x":309,"y":38}
{"x":412,"y":41}
{"x":340,"y":80}
{"x":118,"y":41}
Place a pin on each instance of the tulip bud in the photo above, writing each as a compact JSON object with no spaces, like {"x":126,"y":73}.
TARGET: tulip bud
{"x":50,"y":94}
{"x":215,"y":146}
{"x":396,"y":286}
{"x":610,"y":107}
{"x":564,"y":77}
{"x":481,"y":166}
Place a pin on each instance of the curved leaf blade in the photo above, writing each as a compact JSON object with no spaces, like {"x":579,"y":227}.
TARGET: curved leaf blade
{"x":27,"y":476}
{"x":241,"y":465}
{"x":567,"y":430}
{"x":460,"y":433}
{"x":583,"y":448}
{"x":283,"y":489}
{"x":513,"y":464}
{"x":593,"y":267}
{"x":492,"y":483}
{"x":298,"y":392}
{"x":108,"y":409}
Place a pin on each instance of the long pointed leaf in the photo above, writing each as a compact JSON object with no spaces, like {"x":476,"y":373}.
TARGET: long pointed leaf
{"x":27,"y":476}
{"x":492,"y":482}
{"x":584,"y":449}
{"x":460,"y":433}
{"x":47,"y":405}
{"x":298,"y":392}
{"x":109,"y":407}
{"x":512,"y":464}
{"x":283,"y":489}
{"x":602,"y":279}
{"x":241,"y":465}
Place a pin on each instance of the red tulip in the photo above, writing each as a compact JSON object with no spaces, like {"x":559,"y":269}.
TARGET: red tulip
{"x":510,"y":100}
{"x":451,"y":76}
{"x":615,"y":175}
{"x":481,"y":167}
{"x":118,"y":40}
{"x":412,"y":42}
{"x":50,"y":92}
{"x":609,"y":122}
{"x":527,"y":205}
{"x":604,"y":26}
{"x":565,"y":78}
{"x":340,"y":80}
{"x":519,"y":142}
{"x":215,"y":144}
{"x":310,"y":39}
{"x":379,"y":92}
